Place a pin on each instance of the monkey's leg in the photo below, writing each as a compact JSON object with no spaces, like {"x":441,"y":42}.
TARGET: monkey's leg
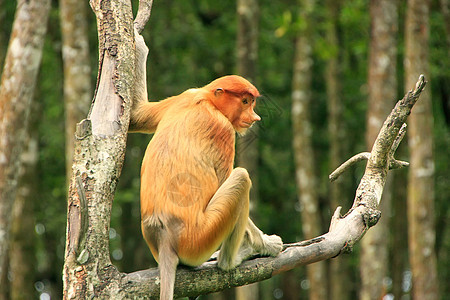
{"x":245,"y":240}
{"x":228,"y":256}
{"x":222,"y":222}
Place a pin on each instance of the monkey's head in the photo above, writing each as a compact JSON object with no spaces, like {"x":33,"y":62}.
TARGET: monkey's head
{"x":236,"y":98}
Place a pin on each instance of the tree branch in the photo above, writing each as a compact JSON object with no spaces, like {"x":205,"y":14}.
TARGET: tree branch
{"x":346,"y":165}
{"x":386,"y":135}
{"x":143,"y":14}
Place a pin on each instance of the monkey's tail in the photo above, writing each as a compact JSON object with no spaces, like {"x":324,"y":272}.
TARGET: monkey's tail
{"x":168,"y":261}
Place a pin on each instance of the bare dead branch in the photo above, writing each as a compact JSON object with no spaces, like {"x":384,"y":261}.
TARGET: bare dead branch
{"x":393,"y":163}
{"x":408,"y":100}
{"x":398,"y":140}
{"x":346,"y":165}
{"x":143,"y":14}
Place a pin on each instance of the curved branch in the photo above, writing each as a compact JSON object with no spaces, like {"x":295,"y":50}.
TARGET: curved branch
{"x":346,"y":165}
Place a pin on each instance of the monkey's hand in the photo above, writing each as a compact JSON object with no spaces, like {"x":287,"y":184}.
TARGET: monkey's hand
{"x":140,"y":83}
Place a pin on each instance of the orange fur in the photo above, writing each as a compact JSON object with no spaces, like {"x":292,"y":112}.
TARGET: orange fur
{"x":191,"y":155}
{"x":192,"y":200}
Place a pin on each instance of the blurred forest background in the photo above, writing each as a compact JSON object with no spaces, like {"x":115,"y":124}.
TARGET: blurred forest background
{"x":329,"y":72}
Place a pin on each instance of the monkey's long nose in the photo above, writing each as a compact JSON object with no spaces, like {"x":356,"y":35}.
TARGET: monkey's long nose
{"x":255,"y":117}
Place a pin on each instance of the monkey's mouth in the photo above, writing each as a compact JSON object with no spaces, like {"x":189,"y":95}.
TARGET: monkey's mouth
{"x":246,"y":124}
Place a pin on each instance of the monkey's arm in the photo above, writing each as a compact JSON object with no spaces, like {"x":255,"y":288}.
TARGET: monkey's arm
{"x":145,"y":116}
{"x":143,"y":113}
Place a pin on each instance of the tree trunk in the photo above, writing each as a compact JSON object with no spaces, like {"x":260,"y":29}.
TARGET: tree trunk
{"x":247,"y":55}
{"x":382,"y":90}
{"x":339,"y":267}
{"x":22,"y":256}
{"x":17,"y":86}
{"x":421,"y":231}
{"x":303,"y":152}
{"x":77,"y":70}
{"x":247,"y":147}
{"x":98,"y":160}
{"x":399,"y":230}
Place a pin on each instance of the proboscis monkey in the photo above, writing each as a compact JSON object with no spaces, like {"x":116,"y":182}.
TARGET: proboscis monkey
{"x":192,"y":200}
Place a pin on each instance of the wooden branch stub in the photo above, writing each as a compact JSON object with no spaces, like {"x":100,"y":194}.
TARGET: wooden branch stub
{"x":398,"y":139}
{"x":420,"y":85}
{"x":335,"y":218}
{"x":371,"y":217}
{"x":83,"y":129}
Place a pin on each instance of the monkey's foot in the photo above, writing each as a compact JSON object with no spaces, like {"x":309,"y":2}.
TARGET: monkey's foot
{"x":272,"y":245}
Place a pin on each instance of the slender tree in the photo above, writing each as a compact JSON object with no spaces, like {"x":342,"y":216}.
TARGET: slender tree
{"x":339,"y":267}
{"x":77,"y":69}
{"x":99,"y":154}
{"x":382,"y":91}
{"x":247,"y":147}
{"x":16,"y":92}
{"x":303,"y":151}
{"x":22,"y":255}
{"x":421,"y":230}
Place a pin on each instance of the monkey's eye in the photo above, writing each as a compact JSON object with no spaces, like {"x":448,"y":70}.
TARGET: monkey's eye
{"x":245,"y":101}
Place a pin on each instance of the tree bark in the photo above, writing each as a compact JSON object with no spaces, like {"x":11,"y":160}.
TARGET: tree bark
{"x":17,"y":86}
{"x":247,"y":154}
{"x":99,"y":153}
{"x":22,"y":256}
{"x":382,"y":91}
{"x":77,"y":70}
{"x":421,"y":230}
{"x":303,"y":152}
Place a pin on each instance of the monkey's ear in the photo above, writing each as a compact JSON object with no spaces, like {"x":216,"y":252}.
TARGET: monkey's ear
{"x":218,"y":92}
